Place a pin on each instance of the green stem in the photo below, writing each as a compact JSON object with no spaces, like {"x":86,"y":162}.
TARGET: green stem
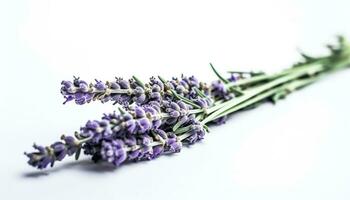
{"x":289,"y":87}
{"x":295,"y":73}
{"x":234,"y":90}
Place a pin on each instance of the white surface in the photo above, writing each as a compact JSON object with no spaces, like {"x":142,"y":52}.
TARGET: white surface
{"x":298,"y":149}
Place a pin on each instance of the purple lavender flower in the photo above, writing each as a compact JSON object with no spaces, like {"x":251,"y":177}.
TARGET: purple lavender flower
{"x":76,"y":90}
{"x":186,"y":86}
{"x":219,"y":91}
{"x":173,"y":144}
{"x":118,"y":91}
{"x":143,"y":130}
{"x":176,"y":111}
{"x":44,"y":156}
{"x":113,"y":152}
{"x":234,"y":77}
{"x":41,"y":158}
{"x":197,"y":132}
{"x":220,"y":120}
{"x":203,"y":102}
{"x":59,"y":150}
{"x":72,"y":145}
{"x":127,"y":92}
{"x":132,"y":135}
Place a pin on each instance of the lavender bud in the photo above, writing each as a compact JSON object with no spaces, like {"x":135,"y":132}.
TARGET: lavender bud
{"x":60,"y":150}
{"x":113,"y":152}
{"x":124,"y":84}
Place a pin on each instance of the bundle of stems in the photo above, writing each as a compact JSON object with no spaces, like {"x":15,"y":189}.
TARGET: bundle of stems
{"x":277,"y":86}
{"x":161,"y":116}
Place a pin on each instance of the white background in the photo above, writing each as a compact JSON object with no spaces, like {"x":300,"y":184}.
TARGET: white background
{"x":298,"y":149}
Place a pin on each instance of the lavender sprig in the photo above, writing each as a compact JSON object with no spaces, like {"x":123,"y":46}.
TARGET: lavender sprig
{"x":126,"y":92}
{"x":160,"y":117}
{"x":132,"y":134}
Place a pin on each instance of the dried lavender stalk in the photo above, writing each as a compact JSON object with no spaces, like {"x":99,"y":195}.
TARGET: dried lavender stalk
{"x":161,"y":116}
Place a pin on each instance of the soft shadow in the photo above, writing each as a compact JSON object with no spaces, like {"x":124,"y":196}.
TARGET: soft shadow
{"x":34,"y":174}
{"x":80,"y":165}
{"x":85,"y":165}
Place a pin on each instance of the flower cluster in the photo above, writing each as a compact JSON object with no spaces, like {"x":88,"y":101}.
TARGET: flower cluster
{"x":220,"y":91}
{"x":138,"y":134}
{"x":155,"y":118}
{"x":125,"y":92}
{"x":44,"y":156}
{"x":143,"y":129}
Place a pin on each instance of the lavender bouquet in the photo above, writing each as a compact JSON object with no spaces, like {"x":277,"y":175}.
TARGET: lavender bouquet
{"x":161,"y":116}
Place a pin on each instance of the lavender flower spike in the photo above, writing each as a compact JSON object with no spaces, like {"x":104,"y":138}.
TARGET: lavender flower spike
{"x":132,"y":91}
{"x":136,"y":133}
{"x":45,"y":156}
